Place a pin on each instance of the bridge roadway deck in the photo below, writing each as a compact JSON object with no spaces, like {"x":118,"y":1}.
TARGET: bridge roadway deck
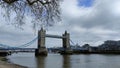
{"x":18,"y":50}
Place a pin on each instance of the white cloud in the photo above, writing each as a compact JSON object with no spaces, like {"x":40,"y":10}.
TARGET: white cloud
{"x":71,"y":9}
{"x":115,"y":5}
{"x":97,"y":23}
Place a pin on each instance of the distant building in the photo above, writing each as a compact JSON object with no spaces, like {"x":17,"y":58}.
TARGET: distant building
{"x":86,"y":47}
{"x":90,"y":48}
{"x":110,"y":45}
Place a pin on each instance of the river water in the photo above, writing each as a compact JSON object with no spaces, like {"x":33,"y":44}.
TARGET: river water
{"x":66,"y":61}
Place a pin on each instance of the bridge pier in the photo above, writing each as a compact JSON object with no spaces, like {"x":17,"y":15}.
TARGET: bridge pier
{"x":66,"y":44}
{"x":41,"y":49}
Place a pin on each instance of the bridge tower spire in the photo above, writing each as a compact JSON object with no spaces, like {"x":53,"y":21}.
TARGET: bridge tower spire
{"x":41,"y":49}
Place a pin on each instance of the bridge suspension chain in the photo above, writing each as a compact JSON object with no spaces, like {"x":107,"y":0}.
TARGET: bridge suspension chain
{"x":72,"y":42}
{"x":29,"y":43}
{"x":20,"y":46}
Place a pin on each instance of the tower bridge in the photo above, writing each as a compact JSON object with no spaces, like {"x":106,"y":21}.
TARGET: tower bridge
{"x":41,"y":48}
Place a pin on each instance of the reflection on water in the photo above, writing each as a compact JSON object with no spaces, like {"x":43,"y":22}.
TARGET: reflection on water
{"x":40,"y":62}
{"x":66,"y":61}
{"x":44,"y":62}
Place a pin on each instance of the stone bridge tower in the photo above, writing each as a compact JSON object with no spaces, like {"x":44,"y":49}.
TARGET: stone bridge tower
{"x":66,"y":44}
{"x":41,"y":49}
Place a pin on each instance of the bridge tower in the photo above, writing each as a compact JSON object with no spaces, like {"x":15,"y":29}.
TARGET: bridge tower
{"x":41,"y":49}
{"x":66,"y":44}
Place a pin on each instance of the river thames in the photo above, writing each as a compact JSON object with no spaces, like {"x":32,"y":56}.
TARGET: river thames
{"x":66,"y":61}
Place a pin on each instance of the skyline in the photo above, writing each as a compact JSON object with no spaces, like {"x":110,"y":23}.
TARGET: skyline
{"x":87,"y":21}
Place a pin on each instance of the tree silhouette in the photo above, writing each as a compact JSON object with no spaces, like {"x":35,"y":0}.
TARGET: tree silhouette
{"x":43,"y":12}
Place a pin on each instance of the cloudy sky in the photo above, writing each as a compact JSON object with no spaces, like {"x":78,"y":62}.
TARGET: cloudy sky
{"x":87,"y":21}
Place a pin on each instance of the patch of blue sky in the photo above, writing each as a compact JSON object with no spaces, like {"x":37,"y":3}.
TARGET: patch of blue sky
{"x":85,"y":3}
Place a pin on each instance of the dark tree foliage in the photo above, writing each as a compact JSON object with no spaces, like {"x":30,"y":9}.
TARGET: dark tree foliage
{"x":43,"y":12}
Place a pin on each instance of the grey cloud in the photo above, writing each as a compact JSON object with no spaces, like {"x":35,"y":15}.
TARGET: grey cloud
{"x":101,"y":15}
{"x":103,"y":18}
{"x":86,"y":25}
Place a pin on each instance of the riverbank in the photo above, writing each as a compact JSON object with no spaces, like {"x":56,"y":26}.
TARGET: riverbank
{"x":5,"y":64}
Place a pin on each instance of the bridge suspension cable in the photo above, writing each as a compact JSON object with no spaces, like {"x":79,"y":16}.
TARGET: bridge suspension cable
{"x":72,"y":42}
{"x":20,"y":46}
{"x":29,"y":43}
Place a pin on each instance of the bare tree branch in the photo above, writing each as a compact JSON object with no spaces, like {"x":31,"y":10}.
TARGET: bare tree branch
{"x":42,"y":12}
{"x":10,"y":1}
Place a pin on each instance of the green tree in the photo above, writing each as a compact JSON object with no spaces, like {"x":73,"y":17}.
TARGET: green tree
{"x":43,"y":12}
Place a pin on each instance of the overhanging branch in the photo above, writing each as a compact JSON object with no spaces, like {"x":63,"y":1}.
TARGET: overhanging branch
{"x":10,"y":1}
{"x":46,"y":12}
{"x":43,"y":3}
